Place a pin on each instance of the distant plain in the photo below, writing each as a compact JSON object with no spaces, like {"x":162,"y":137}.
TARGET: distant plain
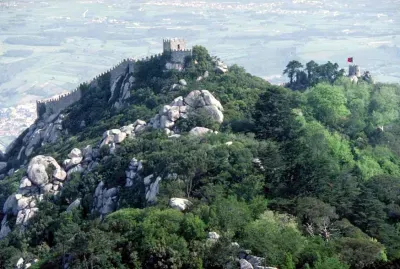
{"x":47,"y":48}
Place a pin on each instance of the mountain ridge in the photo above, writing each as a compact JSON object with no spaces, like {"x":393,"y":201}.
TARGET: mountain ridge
{"x":205,"y":166}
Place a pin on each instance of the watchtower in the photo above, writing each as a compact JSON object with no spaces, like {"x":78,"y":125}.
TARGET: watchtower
{"x":354,"y":70}
{"x":174,"y":44}
{"x":177,"y":48}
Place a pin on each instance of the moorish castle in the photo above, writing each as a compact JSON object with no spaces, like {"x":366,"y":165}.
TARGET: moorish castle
{"x":175,"y":47}
{"x":355,"y":74}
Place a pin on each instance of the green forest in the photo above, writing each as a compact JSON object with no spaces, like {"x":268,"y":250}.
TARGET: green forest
{"x":305,"y":175}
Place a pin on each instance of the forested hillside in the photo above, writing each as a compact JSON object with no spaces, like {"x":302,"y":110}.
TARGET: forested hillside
{"x":307,"y":177}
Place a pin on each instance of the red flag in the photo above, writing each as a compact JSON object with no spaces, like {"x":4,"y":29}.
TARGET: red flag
{"x":350,"y":59}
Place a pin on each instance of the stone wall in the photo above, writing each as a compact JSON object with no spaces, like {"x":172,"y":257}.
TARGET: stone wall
{"x":354,"y":70}
{"x":48,"y":107}
{"x":178,"y":56}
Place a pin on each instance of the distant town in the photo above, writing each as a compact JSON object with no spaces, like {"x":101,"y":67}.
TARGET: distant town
{"x":14,"y":120}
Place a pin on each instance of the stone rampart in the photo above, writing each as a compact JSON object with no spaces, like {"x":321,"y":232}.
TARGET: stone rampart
{"x":47,"y":107}
{"x":178,"y":56}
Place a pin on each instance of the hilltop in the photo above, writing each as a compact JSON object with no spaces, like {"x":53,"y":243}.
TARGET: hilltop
{"x":179,"y":161}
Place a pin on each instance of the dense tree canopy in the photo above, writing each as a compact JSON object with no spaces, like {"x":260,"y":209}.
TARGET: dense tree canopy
{"x":303,"y":179}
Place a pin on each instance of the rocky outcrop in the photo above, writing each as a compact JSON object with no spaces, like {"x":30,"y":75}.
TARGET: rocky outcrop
{"x":25,"y":264}
{"x":119,"y":95}
{"x":245,"y":264}
{"x":44,"y":176}
{"x":5,"y":229}
{"x":151,"y":188}
{"x":257,"y":162}
{"x":133,"y":172}
{"x":200,"y":131}
{"x":220,"y":67}
{"x":213,"y":237}
{"x":43,"y":131}
{"x":114,"y":137}
{"x":74,"y":204}
{"x":196,"y":102}
{"x":246,"y":259}
{"x":42,"y":172}
{"x":3,"y":167}
{"x":204,"y":76}
{"x":180,"y":204}
{"x":105,"y":200}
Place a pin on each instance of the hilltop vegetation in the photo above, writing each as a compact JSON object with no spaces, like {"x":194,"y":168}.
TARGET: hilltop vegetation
{"x":304,"y":179}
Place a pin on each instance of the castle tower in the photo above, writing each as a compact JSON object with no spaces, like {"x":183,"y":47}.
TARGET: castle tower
{"x":357,"y":71}
{"x":177,"y":49}
{"x":354,"y":70}
{"x":174,"y":44}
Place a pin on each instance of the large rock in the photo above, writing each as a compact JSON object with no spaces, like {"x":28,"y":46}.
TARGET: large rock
{"x":118,"y":138}
{"x":75,"y":153}
{"x":179,"y":203}
{"x":76,"y":169}
{"x":255,"y":261}
{"x":152,"y":191}
{"x":183,"y":82}
{"x":139,"y":122}
{"x":147,"y":180}
{"x":10,"y":205}
{"x":245,"y":264}
{"x":200,"y":131}
{"x":20,"y":263}
{"x":74,"y":204}
{"x":165,"y":122}
{"x":195,"y":99}
{"x":3,"y":166}
{"x":173,"y":113}
{"x":221,"y":70}
{"x":34,"y":141}
{"x":140,"y":128}
{"x":178,"y":101}
{"x":59,"y":174}
{"x":105,"y":201}
{"x":212,"y":112}
{"x":5,"y":229}
{"x":109,"y":201}
{"x":38,"y":169}
{"x":87,"y":151}
{"x":24,"y":203}
{"x":213,"y":235}
{"x":25,"y":183}
{"x":211,"y":100}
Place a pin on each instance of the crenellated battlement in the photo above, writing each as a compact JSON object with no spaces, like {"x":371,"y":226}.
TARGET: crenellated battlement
{"x":175,"y":46}
{"x":55,"y":105}
{"x":184,"y":50}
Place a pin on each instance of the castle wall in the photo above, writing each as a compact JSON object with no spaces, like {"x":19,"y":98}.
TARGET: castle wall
{"x":357,"y":71}
{"x":178,"y":56}
{"x":56,"y":105}
{"x":351,"y":70}
{"x":45,"y":108}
